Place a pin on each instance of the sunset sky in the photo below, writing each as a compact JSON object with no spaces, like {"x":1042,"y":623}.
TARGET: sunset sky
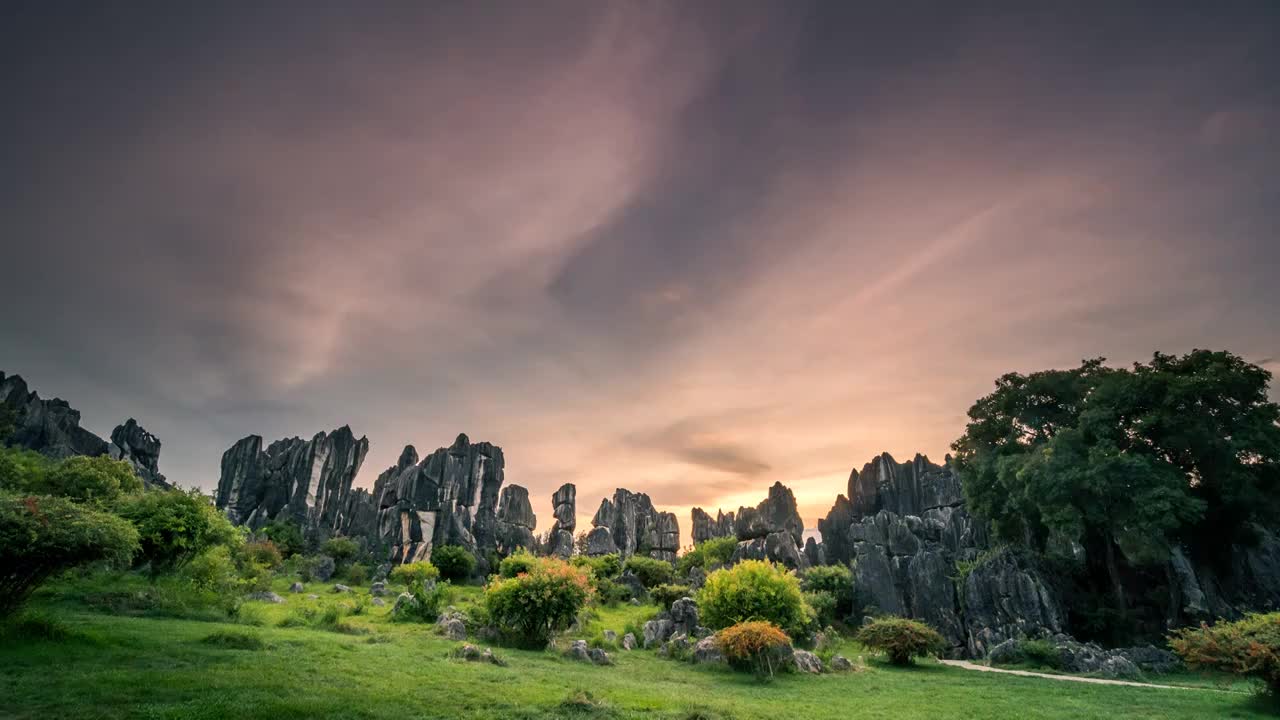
{"x":686,"y":248}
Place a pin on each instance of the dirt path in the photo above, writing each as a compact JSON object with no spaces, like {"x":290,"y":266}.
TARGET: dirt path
{"x":1069,"y":678}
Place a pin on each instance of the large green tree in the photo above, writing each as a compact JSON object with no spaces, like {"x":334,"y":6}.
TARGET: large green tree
{"x":174,"y":526}
{"x":1125,"y":461}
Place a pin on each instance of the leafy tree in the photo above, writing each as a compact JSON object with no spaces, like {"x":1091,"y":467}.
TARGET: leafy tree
{"x":23,"y":471}
{"x":41,"y":536}
{"x":97,"y":480}
{"x":651,"y":571}
{"x":174,"y":526}
{"x":1116,"y":464}
{"x":529,"y":608}
{"x":453,"y":561}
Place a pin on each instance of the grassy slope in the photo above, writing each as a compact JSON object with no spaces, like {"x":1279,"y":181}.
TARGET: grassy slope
{"x":158,"y":668}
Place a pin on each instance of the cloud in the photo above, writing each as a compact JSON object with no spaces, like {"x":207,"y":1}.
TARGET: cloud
{"x":696,"y":441}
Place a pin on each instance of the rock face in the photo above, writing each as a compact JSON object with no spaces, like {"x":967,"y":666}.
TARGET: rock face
{"x":629,"y":524}
{"x":450,"y":497}
{"x":706,"y":528}
{"x":904,"y":529}
{"x":52,"y":428}
{"x":564,"y":507}
{"x":304,"y":481}
{"x":772,"y":530}
{"x":141,"y":449}
{"x":515,"y":520}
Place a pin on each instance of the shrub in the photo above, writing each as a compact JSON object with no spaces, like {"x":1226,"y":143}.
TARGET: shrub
{"x":825,"y":606}
{"x":528,"y":609}
{"x":753,"y":590}
{"x":1248,"y":647}
{"x":757,"y":646}
{"x":341,"y":549}
{"x":707,"y":554}
{"x":412,"y":573}
{"x":357,"y":574}
{"x":601,"y":566}
{"x":175,"y":526}
{"x":901,"y":639}
{"x":316,"y":567}
{"x":453,"y":561}
{"x":834,"y":579}
{"x":516,"y":563}
{"x":610,"y":593}
{"x":213,"y":570}
{"x":262,"y":552}
{"x":234,"y":640}
{"x":286,"y":535}
{"x":22,"y":471}
{"x":1041,"y":653}
{"x":429,"y":599}
{"x":41,"y":536}
{"x":651,"y":571}
{"x":667,"y":593}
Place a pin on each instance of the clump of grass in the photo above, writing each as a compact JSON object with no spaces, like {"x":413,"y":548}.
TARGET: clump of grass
{"x":251,"y":615}
{"x":581,"y":703}
{"x":37,"y":626}
{"x":234,"y":640}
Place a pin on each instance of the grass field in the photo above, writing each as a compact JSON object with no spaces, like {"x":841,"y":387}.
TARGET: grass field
{"x":365,"y":666}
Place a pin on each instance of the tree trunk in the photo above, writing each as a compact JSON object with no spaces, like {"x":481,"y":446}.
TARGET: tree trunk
{"x":1113,"y":571}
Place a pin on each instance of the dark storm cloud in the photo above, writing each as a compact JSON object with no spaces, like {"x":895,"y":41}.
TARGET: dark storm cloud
{"x":595,"y":232}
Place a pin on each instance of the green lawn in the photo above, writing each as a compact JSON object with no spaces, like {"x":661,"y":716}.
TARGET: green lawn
{"x":118,"y":666}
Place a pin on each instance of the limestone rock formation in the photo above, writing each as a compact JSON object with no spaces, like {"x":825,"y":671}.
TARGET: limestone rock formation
{"x":449,"y":497}
{"x":904,"y":529}
{"x":705,"y":528}
{"x":141,"y":449}
{"x":305,"y":481}
{"x":629,"y":524}
{"x":515,"y":520}
{"x":564,"y":507}
{"x":772,"y":530}
{"x":50,"y":427}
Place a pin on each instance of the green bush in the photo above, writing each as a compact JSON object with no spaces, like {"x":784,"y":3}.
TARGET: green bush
{"x":757,"y":646}
{"x":213,"y":570}
{"x":825,"y":607}
{"x":286,"y":535}
{"x":1041,"y":653}
{"x":651,"y":571}
{"x":901,"y":639}
{"x":516,"y":563}
{"x":1249,"y":648}
{"x":601,"y":566}
{"x":41,"y":536}
{"x":342,"y":549}
{"x":835,"y":580}
{"x":753,"y":590}
{"x":667,"y":593}
{"x":357,"y":574}
{"x":611,"y":593}
{"x":707,"y":554}
{"x":429,"y":599}
{"x":262,"y":552}
{"x":316,"y":567}
{"x":454,"y":562}
{"x":175,"y":526}
{"x":413,"y":573}
{"x":97,"y":480}
{"x":23,"y":471}
{"x":528,"y":609}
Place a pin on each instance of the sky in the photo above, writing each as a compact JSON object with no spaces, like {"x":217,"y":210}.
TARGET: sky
{"x":686,"y":248}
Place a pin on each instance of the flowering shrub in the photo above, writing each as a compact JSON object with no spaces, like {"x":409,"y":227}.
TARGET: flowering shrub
{"x":757,"y":646}
{"x":1249,"y":647}
{"x":530,"y":608}
{"x":753,"y":590}
{"x":901,"y":639}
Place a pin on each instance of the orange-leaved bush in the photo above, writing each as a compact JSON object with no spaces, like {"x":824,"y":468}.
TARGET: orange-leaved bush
{"x":758,"y":646}
{"x":1248,"y":647}
{"x":531,"y":607}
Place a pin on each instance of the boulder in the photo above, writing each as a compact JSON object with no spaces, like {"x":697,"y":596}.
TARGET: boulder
{"x":707,"y":652}
{"x":629,"y":641}
{"x":600,"y":542}
{"x":806,"y":662}
{"x":378,"y":588}
{"x":452,"y":625}
{"x":378,"y":602}
{"x":296,"y":587}
{"x":657,"y":631}
{"x":340,"y":588}
{"x":265,"y":596}
{"x":600,"y":657}
{"x":467,"y":652}
{"x":579,"y":651}
{"x":840,"y":663}
{"x":684,"y":616}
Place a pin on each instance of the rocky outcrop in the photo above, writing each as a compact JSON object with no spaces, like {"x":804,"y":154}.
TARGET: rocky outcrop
{"x":303,"y":481}
{"x":906,"y":533}
{"x":772,"y":530}
{"x":52,"y":428}
{"x":629,"y":524}
{"x":515,"y":520}
{"x":706,"y":528}
{"x":449,"y":497}
{"x":133,"y":444}
{"x":564,"y":507}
